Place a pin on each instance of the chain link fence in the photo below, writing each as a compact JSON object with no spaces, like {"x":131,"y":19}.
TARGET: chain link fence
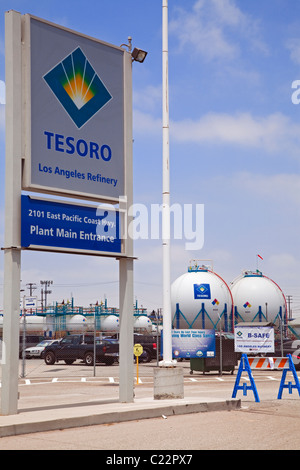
{"x":97,"y":332}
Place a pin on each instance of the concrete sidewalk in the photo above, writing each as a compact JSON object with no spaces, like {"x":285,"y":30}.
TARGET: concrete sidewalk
{"x":63,"y":416}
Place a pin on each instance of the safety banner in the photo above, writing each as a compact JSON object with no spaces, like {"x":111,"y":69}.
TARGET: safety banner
{"x":254,"y":339}
{"x":192,"y":343}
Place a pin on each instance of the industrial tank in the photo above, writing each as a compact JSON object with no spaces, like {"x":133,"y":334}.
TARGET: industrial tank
{"x":33,"y":323}
{"x":257,"y":298}
{"x":142,"y":322}
{"x":109,"y":323}
{"x":76,"y":323}
{"x":201,"y":299}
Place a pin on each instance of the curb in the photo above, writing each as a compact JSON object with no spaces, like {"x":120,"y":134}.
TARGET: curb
{"x":130,"y":413}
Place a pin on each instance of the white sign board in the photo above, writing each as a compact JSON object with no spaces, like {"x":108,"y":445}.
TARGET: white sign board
{"x":192,"y":343}
{"x":30,"y":302}
{"x":75,"y":110}
{"x":254,"y":339}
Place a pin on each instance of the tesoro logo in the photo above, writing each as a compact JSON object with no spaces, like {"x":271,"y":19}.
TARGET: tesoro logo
{"x":77,"y":87}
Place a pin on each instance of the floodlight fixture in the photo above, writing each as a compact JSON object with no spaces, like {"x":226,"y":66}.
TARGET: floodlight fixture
{"x":138,"y":55}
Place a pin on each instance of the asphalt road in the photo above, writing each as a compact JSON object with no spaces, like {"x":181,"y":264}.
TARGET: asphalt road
{"x":269,"y":425}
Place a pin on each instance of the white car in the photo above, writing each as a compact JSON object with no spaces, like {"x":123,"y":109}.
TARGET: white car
{"x":37,"y":351}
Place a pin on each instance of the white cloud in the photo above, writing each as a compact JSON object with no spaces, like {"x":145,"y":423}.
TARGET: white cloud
{"x":209,"y":29}
{"x":293,"y":46}
{"x":146,"y":123}
{"x":273,"y":133}
{"x":279,"y":260}
{"x":281,"y":189}
{"x":148,"y":99}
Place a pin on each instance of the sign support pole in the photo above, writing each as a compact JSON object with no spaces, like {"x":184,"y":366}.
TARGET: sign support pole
{"x":12,"y":248}
{"x":126,"y":295}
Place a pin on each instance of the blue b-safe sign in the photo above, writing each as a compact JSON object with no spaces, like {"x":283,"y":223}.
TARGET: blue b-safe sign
{"x":51,"y":224}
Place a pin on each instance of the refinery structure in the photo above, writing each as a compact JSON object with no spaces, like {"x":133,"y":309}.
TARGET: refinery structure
{"x":54,"y":321}
{"x":203,"y":299}
{"x":200,"y":299}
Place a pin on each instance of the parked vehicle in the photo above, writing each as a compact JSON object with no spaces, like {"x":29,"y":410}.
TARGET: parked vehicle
{"x":74,"y":347}
{"x":38,"y":350}
{"x":30,"y":340}
{"x":149,"y":343}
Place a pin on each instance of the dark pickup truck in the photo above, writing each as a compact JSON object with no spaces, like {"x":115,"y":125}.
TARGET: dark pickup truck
{"x":73,"y":347}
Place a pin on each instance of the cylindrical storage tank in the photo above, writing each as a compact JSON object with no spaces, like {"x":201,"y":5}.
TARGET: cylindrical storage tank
{"x":33,"y":323}
{"x":76,"y":323}
{"x":109,"y":323}
{"x":201,"y":299}
{"x":257,"y":298}
{"x":142,"y":322}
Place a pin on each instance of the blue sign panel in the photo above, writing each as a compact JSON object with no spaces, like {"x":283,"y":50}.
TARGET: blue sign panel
{"x":68,"y":226}
{"x":202,"y":291}
{"x":192,"y":343}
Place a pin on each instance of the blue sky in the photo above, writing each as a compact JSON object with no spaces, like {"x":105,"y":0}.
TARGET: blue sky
{"x":234,"y":138}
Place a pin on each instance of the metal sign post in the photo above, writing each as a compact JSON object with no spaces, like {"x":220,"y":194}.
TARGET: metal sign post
{"x":137,"y":351}
{"x":126,"y":296}
{"x":12,"y":248}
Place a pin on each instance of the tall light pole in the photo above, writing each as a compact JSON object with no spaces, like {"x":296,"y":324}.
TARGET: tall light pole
{"x":167,"y":318}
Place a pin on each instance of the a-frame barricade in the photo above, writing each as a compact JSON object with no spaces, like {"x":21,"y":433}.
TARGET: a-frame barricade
{"x":289,"y":385}
{"x":245,"y":367}
{"x":279,"y":363}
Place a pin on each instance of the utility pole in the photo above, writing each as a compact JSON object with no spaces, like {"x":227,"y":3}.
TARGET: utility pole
{"x":45,"y":291}
{"x":31,"y":287}
{"x":289,"y":300}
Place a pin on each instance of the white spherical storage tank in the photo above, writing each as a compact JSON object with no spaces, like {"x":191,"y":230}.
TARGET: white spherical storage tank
{"x":142,"y":322}
{"x":257,"y":298}
{"x":109,"y":323}
{"x":76,"y":323}
{"x":33,"y":323}
{"x":201,"y":299}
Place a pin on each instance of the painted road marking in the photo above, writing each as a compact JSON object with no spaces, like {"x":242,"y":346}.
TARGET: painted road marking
{"x":143,"y":380}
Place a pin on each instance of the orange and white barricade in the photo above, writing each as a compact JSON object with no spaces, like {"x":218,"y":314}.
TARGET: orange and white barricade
{"x":269,"y":362}
{"x":266,"y":363}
